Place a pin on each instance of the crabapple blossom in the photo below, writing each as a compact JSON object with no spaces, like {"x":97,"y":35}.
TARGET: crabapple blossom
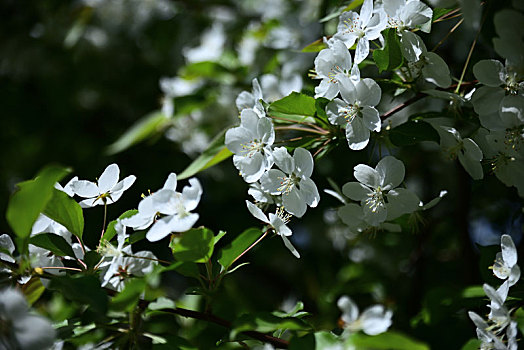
{"x":374,"y":320}
{"x":106,"y":190}
{"x":251,"y":99}
{"x":251,"y":144}
{"x":505,"y":266}
{"x":356,"y":112}
{"x":408,"y":14}
{"x":292,"y":181}
{"x":277,"y":221}
{"x":361,"y":28}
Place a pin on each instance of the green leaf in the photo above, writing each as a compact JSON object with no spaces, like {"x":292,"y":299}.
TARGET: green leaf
{"x":439,"y":12}
{"x":110,"y":231}
{"x":473,"y":292}
{"x":206,"y":69}
{"x":149,"y":125}
{"x":66,"y":211}
{"x":215,"y":153}
{"x":385,"y":341}
{"x":413,"y":132}
{"x":266,"y":322}
{"x":472,"y":344}
{"x":82,"y":289}
{"x":390,"y":57}
{"x":354,"y":4}
{"x":296,"y":107}
{"x":54,"y":243}
{"x":315,"y":46}
{"x":195,"y":245}
{"x":33,"y":290}
{"x":128,"y":298}
{"x":233,"y":250}
{"x":185,"y":268}
{"x":219,"y":236}
{"x":31,"y":198}
{"x":519,"y":317}
{"x":306,"y":342}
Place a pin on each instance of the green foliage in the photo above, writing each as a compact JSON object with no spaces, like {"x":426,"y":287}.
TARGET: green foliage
{"x":296,"y":107}
{"x":439,"y":12}
{"x":390,"y":57}
{"x":128,"y":298}
{"x":110,"y":231}
{"x":413,"y":132}
{"x":33,"y":289}
{"x":315,"y":46}
{"x":195,"y":245}
{"x":31,"y":198}
{"x":472,"y":344}
{"x":84,"y":289}
{"x":265,"y":322}
{"x":385,"y":341}
{"x":232,"y":251}
{"x":215,"y":153}
{"x":145,"y":128}
{"x":54,"y":243}
{"x":66,"y":211}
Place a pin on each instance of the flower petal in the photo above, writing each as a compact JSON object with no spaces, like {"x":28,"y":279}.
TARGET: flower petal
{"x":303,"y":162}
{"x":86,"y":189}
{"x":367,"y":175}
{"x":391,"y":172}
{"x":356,"y":191}
{"x":289,"y":246}
{"x":357,"y":134}
{"x":509,"y":251}
{"x":109,"y":178}
{"x":293,"y":203}
{"x":309,"y":192}
{"x":257,"y":212}
{"x":490,"y":72}
{"x":171,"y":182}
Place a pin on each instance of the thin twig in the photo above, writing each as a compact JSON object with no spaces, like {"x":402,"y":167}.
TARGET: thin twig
{"x":300,"y":129}
{"x":402,"y":106}
{"x":251,"y":246}
{"x":448,"y":34}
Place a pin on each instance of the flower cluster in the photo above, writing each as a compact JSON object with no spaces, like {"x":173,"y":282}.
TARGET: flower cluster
{"x":374,"y":320}
{"x":289,"y":185}
{"x":491,"y":331}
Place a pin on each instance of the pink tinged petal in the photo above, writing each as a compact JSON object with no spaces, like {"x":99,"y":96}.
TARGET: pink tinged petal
{"x":356,"y":191}
{"x":290,"y":246}
{"x":357,"y":134}
{"x":271,"y":181}
{"x":367,"y":175}
{"x":509,"y":251}
{"x":362,"y":50}
{"x":391,"y":171}
{"x":349,"y":309}
{"x":309,"y":192}
{"x":284,"y":160}
{"x":109,"y":178}
{"x":371,"y":118}
{"x":436,"y":70}
{"x":303,"y":162}
{"x":182,"y":224}
{"x":490,"y":72}
{"x":366,"y":12}
{"x":191,"y":194}
{"x":368,"y":92}
{"x":257,"y":212}
{"x":293,"y":203}
{"x":86,"y":189}
{"x":171,"y":182}
{"x":159,"y":230}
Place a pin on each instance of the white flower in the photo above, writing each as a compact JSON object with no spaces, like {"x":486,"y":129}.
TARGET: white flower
{"x":467,"y":151}
{"x":506,"y":261}
{"x":485,"y":334}
{"x":499,"y":314}
{"x":68,"y":188}
{"x":377,"y":185}
{"x":433,"y":68}
{"x":177,"y":209}
{"x":292,"y":181}
{"x":6,"y":243}
{"x":251,"y":143}
{"x":106,"y":190}
{"x":408,"y":14}
{"x":362,"y":28}
{"x":329,"y":64}
{"x":211,"y":46}
{"x":277,"y":221}
{"x":356,"y":111}
{"x":374,"y":320}
{"x":251,"y":100}
{"x":19,"y":328}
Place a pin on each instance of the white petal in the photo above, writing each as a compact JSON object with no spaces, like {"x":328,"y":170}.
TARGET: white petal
{"x":191,"y":194}
{"x":351,"y":214}
{"x":90,"y":202}
{"x":257,"y":212}
{"x":412,"y":46}
{"x":366,"y":11}
{"x":309,"y":192}
{"x":271,"y":181}
{"x":490,"y":72}
{"x":171,"y":182}
{"x":159,"y":230}
{"x":391,"y":171}
{"x":86,"y":189}
{"x":283,"y":160}
{"x":347,"y":89}
{"x":349,"y":309}
{"x":374,"y":218}
{"x":289,"y":246}
{"x":279,"y":225}
{"x":356,"y":191}
{"x":401,"y":201}
{"x":362,"y":50}
{"x":293,"y":203}
{"x":124,"y":184}
{"x":182,"y":224}
{"x":509,"y":251}
{"x":371,"y":119}
{"x":303,"y":162}
{"x":375,"y":320}
{"x":251,"y":168}
{"x":109,"y":178}
{"x":368,"y":92}
{"x":436,"y":70}
{"x":367,"y":175}
{"x":357,"y":134}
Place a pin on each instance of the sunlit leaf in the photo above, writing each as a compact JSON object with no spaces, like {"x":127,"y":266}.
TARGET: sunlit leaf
{"x":66,"y":211}
{"x":195,"y":245}
{"x":54,"y":243}
{"x":233,"y":250}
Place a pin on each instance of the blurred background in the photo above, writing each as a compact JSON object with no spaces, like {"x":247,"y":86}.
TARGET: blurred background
{"x":76,"y":75}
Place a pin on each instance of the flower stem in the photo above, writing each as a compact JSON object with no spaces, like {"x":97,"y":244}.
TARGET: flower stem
{"x":250,"y":247}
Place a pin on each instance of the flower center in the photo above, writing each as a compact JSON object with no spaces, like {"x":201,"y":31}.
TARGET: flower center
{"x":333,"y":73}
{"x":287,"y":183}
{"x":514,"y":137}
{"x":375,"y":199}
{"x":282,"y":215}
{"x":500,"y":161}
{"x":249,"y":149}
{"x":353,"y":26}
{"x":349,"y":112}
